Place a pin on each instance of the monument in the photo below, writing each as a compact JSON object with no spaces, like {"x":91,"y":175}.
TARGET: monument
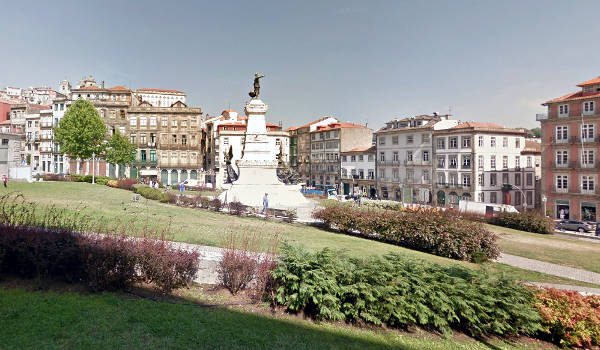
{"x":257,"y":169}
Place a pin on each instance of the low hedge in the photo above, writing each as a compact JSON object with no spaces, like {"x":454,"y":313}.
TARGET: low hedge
{"x":433,"y":231}
{"x":530,"y":221}
{"x":151,"y":193}
{"x":398,"y":292}
{"x":103,"y":262}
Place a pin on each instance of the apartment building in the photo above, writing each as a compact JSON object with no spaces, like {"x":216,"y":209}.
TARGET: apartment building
{"x":358,"y":172}
{"x":327,"y":142}
{"x":404,"y":157}
{"x":33,"y":141}
{"x":482,"y":162}
{"x":11,"y":139}
{"x":167,"y":140}
{"x":300,"y":149}
{"x":159,"y":97}
{"x":570,"y":147}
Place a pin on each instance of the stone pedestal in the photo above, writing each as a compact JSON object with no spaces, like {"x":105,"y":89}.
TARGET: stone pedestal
{"x":258,"y":168}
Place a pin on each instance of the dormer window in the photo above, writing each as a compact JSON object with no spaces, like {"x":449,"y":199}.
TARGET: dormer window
{"x":563,"y":110}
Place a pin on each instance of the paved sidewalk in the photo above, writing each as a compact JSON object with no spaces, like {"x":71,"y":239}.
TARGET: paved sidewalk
{"x":581,"y":290}
{"x":550,"y":269}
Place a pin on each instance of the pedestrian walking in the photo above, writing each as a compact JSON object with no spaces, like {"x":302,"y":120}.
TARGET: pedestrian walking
{"x":4,"y":179}
{"x":265,"y":203}
{"x":181,"y":188}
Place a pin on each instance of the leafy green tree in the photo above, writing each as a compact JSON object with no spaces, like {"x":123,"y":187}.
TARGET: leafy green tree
{"x":119,"y":150}
{"x":81,"y":132}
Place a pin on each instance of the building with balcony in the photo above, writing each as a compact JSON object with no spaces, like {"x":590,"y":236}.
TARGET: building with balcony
{"x":405,"y":157}
{"x":168,"y":142}
{"x":327,"y":142}
{"x":358,"y":172}
{"x":33,"y":141}
{"x":482,"y":162}
{"x":300,"y":146}
{"x":159,"y":97}
{"x":570,"y":146}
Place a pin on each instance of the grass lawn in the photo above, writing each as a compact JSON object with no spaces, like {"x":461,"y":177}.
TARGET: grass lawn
{"x":59,"y":320}
{"x":573,"y":252}
{"x":210,"y":228}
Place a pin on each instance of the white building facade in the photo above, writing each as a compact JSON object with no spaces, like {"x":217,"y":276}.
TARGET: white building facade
{"x":159,"y":97}
{"x":358,"y":172}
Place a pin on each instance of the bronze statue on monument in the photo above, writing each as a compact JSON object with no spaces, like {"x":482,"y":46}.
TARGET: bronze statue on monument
{"x":256,"y":91}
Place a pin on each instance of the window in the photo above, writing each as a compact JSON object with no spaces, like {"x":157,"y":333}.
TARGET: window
{"x":529,"y":161}
{"x":493,"y":180}
{"x":409,"y":139}
{"x":153,"y":155}
{"x":143,"y":139}
{"x":183,"y":140}
{"x":562,"y":133}
{"x":132,"y":138}
{"x":493,"y":197}
{"x":517,"y":162}
{"x":587,"y":132}
{"x":481,"y":180}
{"x":344,"y":158}
{"x":133,"y":121}
{"x":382,"y":156}
{"x":529,"y":179}
{"x":371,"y":158}
{"x":562,"y":158}
{"x":174,"y":123}
{"x":173,"y":139}
{"x":441,"y":143}
{"x":441,"y":180}
{"x":587,"y":183}
{"x":466,"y":180}
{"x":562,"y":183}
{"x":409,"y":156}
{"x":505,"y":178}
{"x":505,"y":142}
{"x":5,"y":141}
{"x":426,"y":177}
{"x":452,"y":161}
{"x":371,"y":174}
{"x":466,"y":161}
{"x":493,"y":162}
{"x":426,"y":156}
{"x":143,"y":155}
{"x":395,"y":140}
{"x":518,"y":198}
{"x":361,"y":158}
{"x":152,"y":121}
{"x":588,"y":107}
{"x":410,"y":175}
{"x":480,"y":141}
{"x":344,"y":172}
{"x":353,"y":158}
{"x":563,"y":110}
{"x":504,"y":162}
{"x":518,"y":179}
{"x":165,"y":122}
{"x":493,"y":141}
{"x":441,"y":162}
{"x":382,"y":173}
{"x":453,"y":142}
{"x":424,"y":138}
{"x":395,"y":174}
{"x":517,"y":142}
{"x":481,"y":197}
{"x":466,"y":142}
{"x":480,"y":162}
{"x":382,"y":140}
{"x":143,"y":121}
{"x":587,"y":157}
{"x":529,"y":198}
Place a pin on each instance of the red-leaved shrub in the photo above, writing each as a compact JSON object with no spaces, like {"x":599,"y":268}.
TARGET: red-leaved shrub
{"x":570,"y":318}
{"x":236,"y":208}
{"x":127,"y":184}
{"x":216,"y":204}
{"x":433,"y":231}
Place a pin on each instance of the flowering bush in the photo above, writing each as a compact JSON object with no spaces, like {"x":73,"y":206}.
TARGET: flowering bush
{"x":570,"y":318}
{"x":127,"y":184}
{"x":432,"y":231}
{"x":54,"y":177}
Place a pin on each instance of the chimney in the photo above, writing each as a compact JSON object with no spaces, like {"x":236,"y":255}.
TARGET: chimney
{"x":102,"y":84}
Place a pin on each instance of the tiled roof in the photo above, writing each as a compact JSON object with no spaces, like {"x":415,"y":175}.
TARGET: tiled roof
{"x":478,"y":125}
{"x":271,"y":125}
{"x":161,"y":90}
{"x":85,"y":88}
{"x":338,"y":125}
{"x":307,"y":125}
{"x":590,"y":82}
{"x":579,"y":95}
{"x":532,"y":147}
{"x":363,"y":149}
{"x":119,"y":88}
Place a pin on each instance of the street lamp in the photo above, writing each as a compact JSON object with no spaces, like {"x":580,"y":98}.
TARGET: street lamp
{"x":93,"y":167}
{"x":512,"y":187}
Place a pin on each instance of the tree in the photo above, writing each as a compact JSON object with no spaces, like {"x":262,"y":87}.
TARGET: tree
{"x":81,"y":131}
{"x":119,"y":150}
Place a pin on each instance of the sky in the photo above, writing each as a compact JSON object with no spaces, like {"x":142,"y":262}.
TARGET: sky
{"x":360,"y":61}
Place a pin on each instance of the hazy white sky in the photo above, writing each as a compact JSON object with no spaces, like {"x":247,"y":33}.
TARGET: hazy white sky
{"x":361,"y":61}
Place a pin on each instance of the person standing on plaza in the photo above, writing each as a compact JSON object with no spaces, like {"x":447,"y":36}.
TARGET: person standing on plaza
{"x":4,"y":179}
{"x":265,"y":203}
{"x":181,"y":188}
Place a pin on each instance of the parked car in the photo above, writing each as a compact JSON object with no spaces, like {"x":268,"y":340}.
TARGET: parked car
{"x":598,"y":229}
{"x":573,"y":225}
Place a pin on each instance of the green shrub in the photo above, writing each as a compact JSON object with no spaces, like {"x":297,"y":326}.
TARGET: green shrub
{"x":151,"y":193}
{"x":395,"y":291}
{"x":530,"y":221}
{"x":569,"y":318}
{"x":433,"y":231}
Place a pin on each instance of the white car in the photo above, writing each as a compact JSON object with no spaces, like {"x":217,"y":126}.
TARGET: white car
{"x":191,"y":183}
